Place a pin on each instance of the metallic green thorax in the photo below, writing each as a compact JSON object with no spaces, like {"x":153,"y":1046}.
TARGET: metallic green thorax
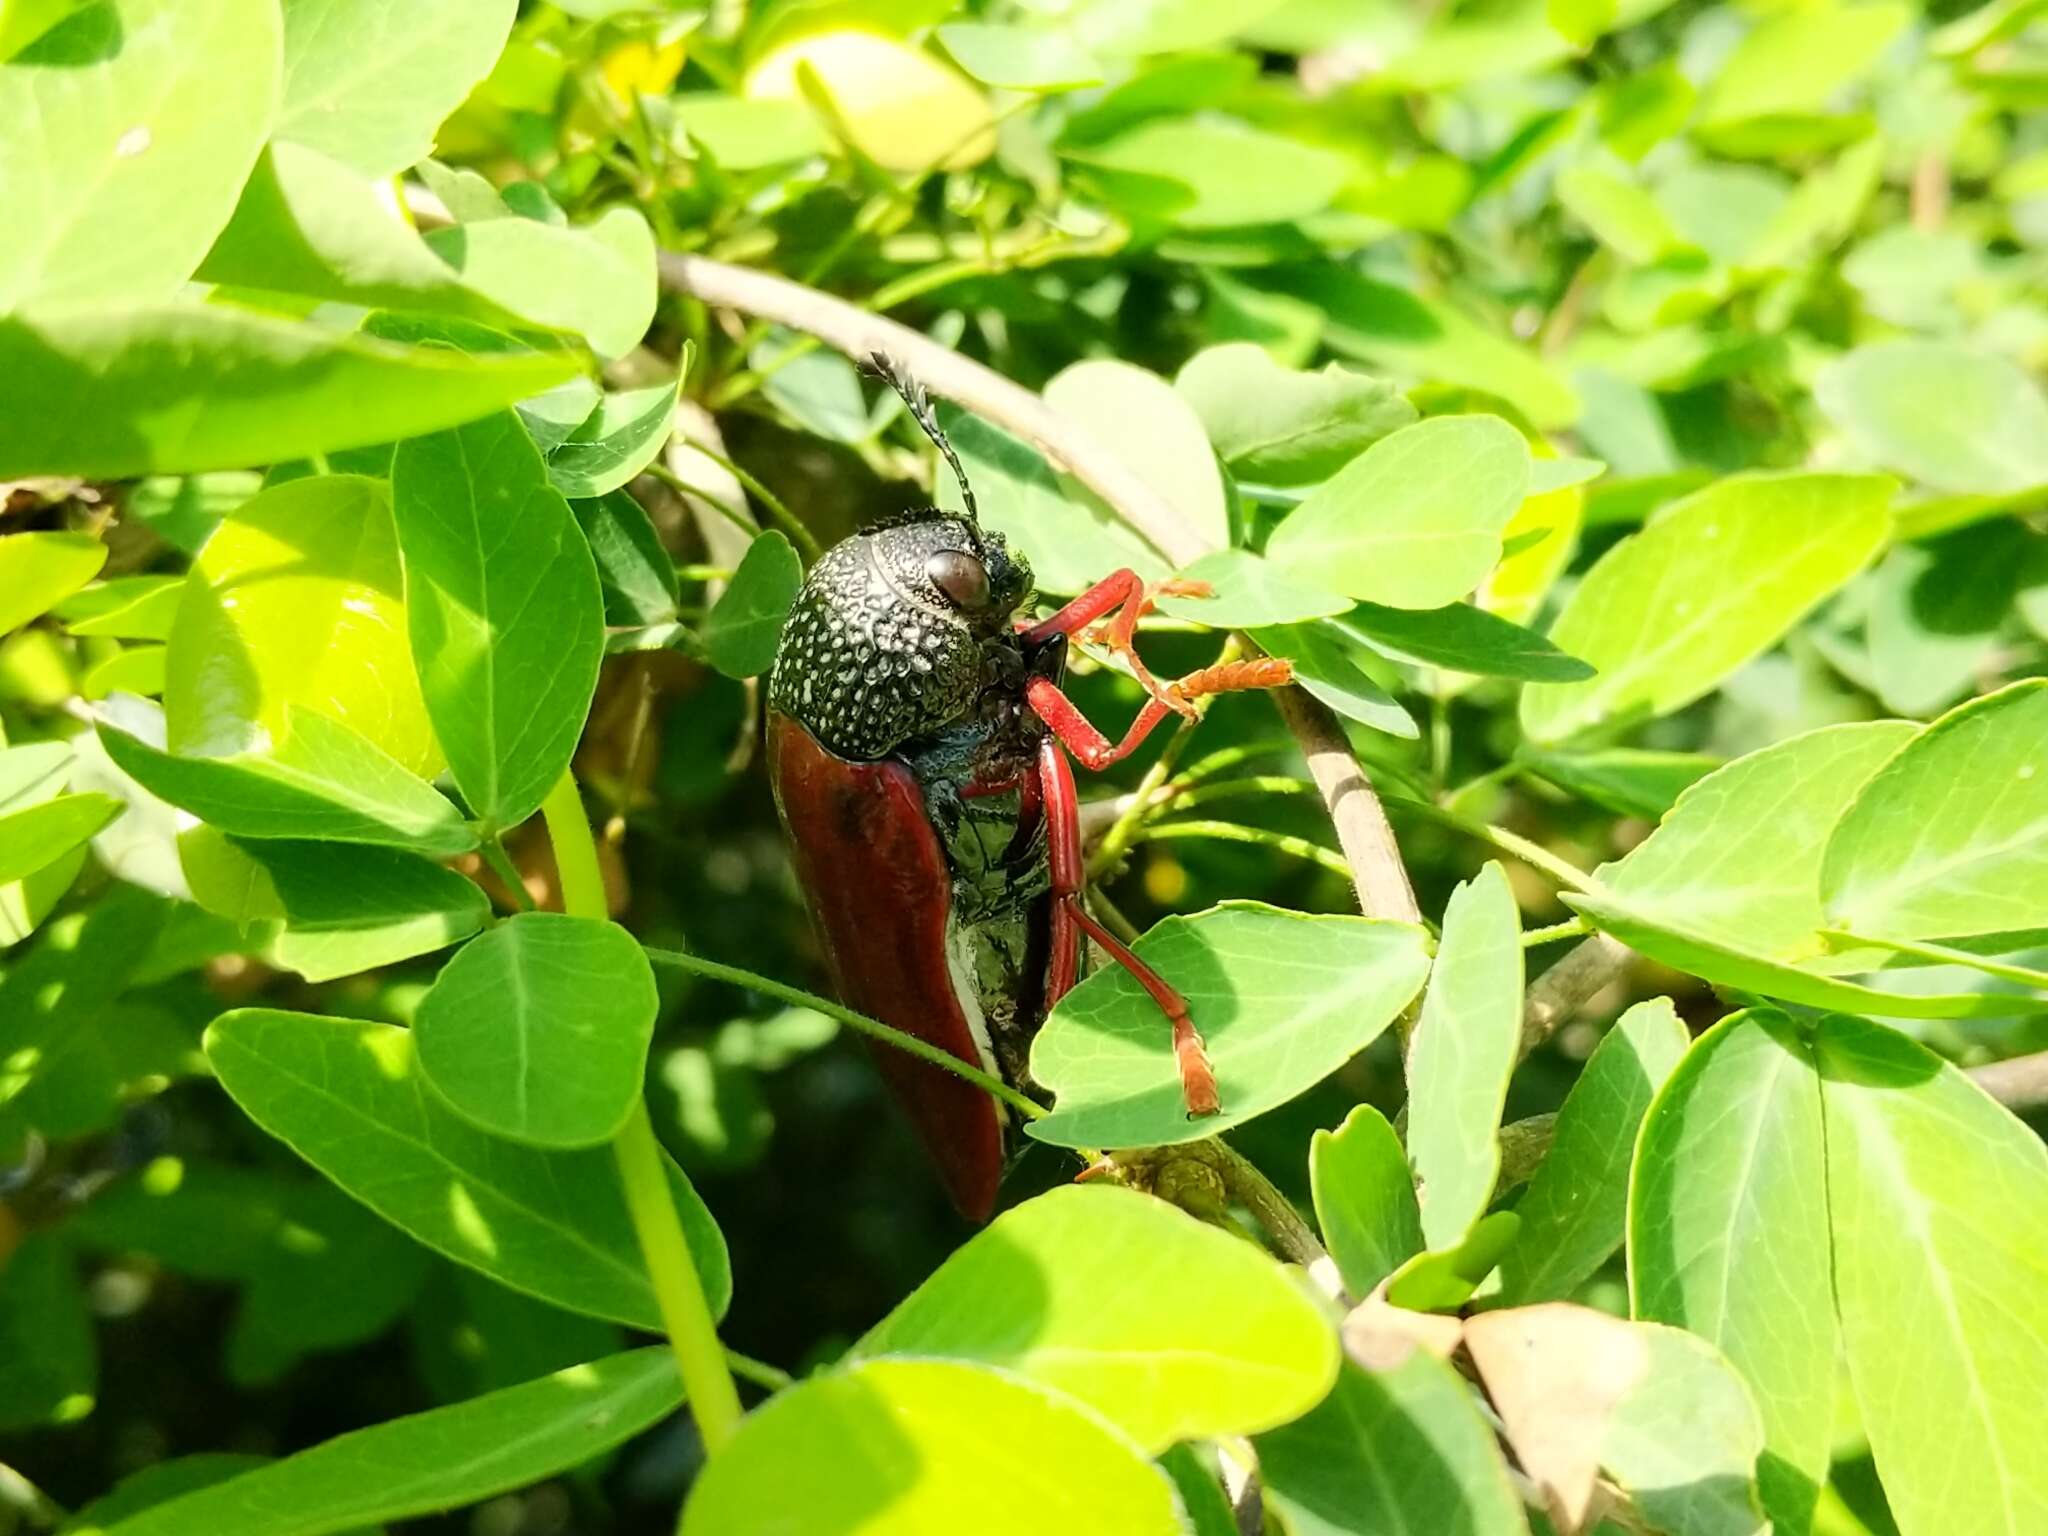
{"x":875,"y":654}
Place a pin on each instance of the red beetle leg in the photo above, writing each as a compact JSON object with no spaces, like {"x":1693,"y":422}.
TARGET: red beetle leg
{"x":1094,"y":749}
{"x":1070,"y":920}
{"x":1132,"y":600}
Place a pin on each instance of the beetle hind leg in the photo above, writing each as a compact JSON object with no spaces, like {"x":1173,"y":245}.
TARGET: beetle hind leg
{"x":1070,"y":920}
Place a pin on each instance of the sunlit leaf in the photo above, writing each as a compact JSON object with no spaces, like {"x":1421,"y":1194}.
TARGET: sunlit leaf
{"x":142,"y":116}
{"x":1169,"y":1329}
{"x":901,"y":107}
{"x":1365,"y":1198}
{"x":1138,"y":417}
{"x":1281,"y":999}
{"x":1955,"y":418}
{"x":39,"y":570}
{"x":1247,"y":592}
{"x":914,"y":1447}
{"x":597,"y":281}
{"x":1283,"y":426}
{"x":1728,"y":1235}
{"x":348,"y":1097}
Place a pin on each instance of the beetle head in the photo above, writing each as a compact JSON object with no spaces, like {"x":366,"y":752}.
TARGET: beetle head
{"x":898,"y":629}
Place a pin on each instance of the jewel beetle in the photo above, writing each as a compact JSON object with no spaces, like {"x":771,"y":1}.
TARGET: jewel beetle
{"x":918,"y":743}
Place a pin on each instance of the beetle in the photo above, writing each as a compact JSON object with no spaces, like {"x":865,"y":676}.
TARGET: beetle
{"x":918,"y":744}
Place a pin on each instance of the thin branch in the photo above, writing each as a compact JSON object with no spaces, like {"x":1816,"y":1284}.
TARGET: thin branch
{"x":2021,"y":1083}
{"x":1568,"y":986}
{"x":1373,"y":857}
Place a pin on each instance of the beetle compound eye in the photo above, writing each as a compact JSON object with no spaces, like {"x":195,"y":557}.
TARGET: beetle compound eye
{"x":961,"y":577}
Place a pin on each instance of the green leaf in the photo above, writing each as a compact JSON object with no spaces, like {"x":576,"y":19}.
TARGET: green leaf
{"x":1581,"y":21}
{"x":1168,"y":1328}
{"x":1952,"y":417}
{"x":1738,"y":857}
{"x":1138,"y":417}
{"x":1248,"y":593}
{"x":185,"y":386}
{"x":1365,"y":1198}
{"x":1282,"y":1000}
{"x":1414,"y":521}
{"x":29,"y":776}
{"x":1463,"y":638}
{"x":70,"y":1052}
{"x":23,"y":21}
{"x":1444,"y":1279}
{"x":309,"y":225}
{"x":1669,"y":940}
{"x":1629,"y":781}
{"x":1728,"y":1235}
{"x":1668,"y":613}
{"x":39,"y":570}
{"x":1202,"y":1497}
{"x":1427,"y":338}
{"x":423,"y":1463}
{"x":1794,"y":64}
{"x":297,"y":603}
{"x":1938,"y":1205}
{"x":1285,"y":426}
{"x":142,"y":116}
{"x":597,"y":281}
{"x":507,"y":627}
{"x":1327,"y":668}
{"x":352,"y":909}
{"x":1071,"y":542}
{"x":637,"y":574}
{"x":1217,"y":174}
{"x":1621,"y":214}
{"x":1575,"y":1208}
{"x":156,"y":1483}
{"x":1403,"y":1449}
{"x":1936,"y":610}
{"x":126,"y":608}
{"x":1951,"y":835}
{"x":539,"y":1029}
{"x":620,"y":438}
{"x":47,"y":1334}
{"x":349,"y":1097}
{"x":1020,"y":59}
{"x":914,"y":1448}
{"x":745,"y":135}
{"x":745,"y":625}
{"x":367,"y":82}
{"x":1134,"y":27}
{"x":1462,"y":1054}
{"x":38,"y":836}
{"x":322,"y":781}
{"x":1660,"y":1410}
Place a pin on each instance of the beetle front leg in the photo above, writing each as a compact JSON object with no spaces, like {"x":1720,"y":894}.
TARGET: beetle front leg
{"x":1129,"y":597}
{"x":1070,"y":920}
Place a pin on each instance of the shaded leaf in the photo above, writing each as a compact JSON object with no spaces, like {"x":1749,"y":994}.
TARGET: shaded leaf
{"x":745,"y":625}
{"x":1465,"y":639}
{"x":1282,"y":425}
{"x":1955,"y":418}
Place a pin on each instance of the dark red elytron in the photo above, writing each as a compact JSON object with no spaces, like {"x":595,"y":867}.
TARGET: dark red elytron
{"x":917,"y":741}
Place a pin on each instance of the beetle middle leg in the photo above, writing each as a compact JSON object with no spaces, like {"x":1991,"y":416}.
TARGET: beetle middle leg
{"x":1070,"y":920}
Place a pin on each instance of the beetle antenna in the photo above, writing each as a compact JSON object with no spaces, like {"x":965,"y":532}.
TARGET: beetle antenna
{"x":919,"y":402}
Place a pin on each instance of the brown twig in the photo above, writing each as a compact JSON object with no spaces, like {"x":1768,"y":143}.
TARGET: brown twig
{"x":2020,"y":1083}
{"x":1568,"y":986}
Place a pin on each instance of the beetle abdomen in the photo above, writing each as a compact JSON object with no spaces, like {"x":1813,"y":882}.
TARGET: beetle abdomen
{"x":880,"y":893}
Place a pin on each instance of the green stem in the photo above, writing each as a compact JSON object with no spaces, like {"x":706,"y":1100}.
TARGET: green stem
{"x":796,"y":997}
{"x":785,"y":519}
{"x":713,"y":1398}
{"x":759,"y":1372}
{"x":1571,"y":928}
{"x":493,"y":850}
{"x":1535,"y":855}
{"x":1233,"y":832}
{"x":1939,"y":954}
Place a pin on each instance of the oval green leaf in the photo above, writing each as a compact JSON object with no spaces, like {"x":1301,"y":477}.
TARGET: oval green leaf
{"x":1955,"y":418}
{"x":1575,"y":1210}
{"x":142,"y":116}
{"x":1218,"y":174}
{"x":39,"y":570}
{"x":745,"y":625}
{"x":596,"y":281}
{"x":1365,"y":1200}
{"x":1938,"y":1204}
{"x":1462,"y":1054}
{"x":40,"y":835}
{"x":1415,"y":520}
{"x":367,"y":82}
{"x":349,"y":1097}
{"x":1950,"y":837}
{"x":423,"y":1463}
{"x":322,"y":781}
{"x":1285,"y":426}
{"x":1668,"y":613}
{"x":1282,"y":1000}
{"x":504,"y":610}
{"x":928,"y":1448}
{"x":1463,"y":638}
{"x":539,"y":1029}
{"x":1728,"y":1235}
{"x":1403,"y":1449}
{"x":183,"y":387}
{"x":297,"y":602}
{"x":1169,"y":1328}
{"x":618,"y":440}
{"x":1247,"y":592}
{"x":1138,"y":417}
